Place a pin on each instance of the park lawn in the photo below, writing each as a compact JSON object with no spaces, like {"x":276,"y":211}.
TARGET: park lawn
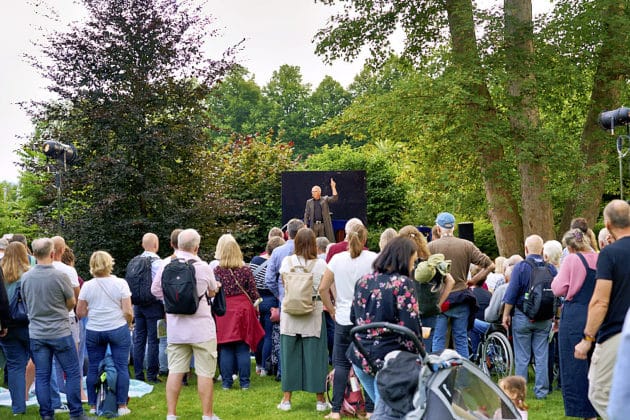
{"x":259,"y":402}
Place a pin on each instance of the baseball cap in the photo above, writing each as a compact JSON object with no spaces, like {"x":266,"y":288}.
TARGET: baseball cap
{"x":445,"y":220}
{"x":4,"y":243}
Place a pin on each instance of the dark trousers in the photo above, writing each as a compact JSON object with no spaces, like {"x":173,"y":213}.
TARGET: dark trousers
{"x":145,"y":339}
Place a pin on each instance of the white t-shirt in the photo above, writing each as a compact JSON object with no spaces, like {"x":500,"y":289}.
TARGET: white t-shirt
{"x":104,"y":300}
{"x":348,"y":271}
{"x":318,"y":267}
{"x":72,"y":275}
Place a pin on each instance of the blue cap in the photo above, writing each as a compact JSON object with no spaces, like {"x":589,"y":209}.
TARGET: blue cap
{"x":445,"y":220}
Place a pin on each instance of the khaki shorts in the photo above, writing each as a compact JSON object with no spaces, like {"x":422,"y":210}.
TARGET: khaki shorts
{"x":179,"y":356}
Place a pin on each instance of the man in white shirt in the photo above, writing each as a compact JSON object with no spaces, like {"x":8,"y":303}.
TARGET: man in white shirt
{"x":59,"y":244}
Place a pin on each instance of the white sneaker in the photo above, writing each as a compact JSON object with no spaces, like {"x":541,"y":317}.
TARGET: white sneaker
{"x":323,"y":406}
{"x":284,"y":405}
{"x":123,"y":411}
{"x":171,"y":417}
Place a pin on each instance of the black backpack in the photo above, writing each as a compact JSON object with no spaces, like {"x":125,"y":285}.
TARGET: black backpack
{"x":139,"y":278}
{"x":179,"y":287}
{"x":540,"y":302}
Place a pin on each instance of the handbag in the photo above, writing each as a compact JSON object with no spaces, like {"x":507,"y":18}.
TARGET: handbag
{"x":17,"y":308}
{"x":218,"y":303}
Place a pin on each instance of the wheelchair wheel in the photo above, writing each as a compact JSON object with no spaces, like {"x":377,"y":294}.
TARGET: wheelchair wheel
{"x":497,"y":357}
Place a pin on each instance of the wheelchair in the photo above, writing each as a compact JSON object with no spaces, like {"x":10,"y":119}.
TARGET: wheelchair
{"x":494,"y":354}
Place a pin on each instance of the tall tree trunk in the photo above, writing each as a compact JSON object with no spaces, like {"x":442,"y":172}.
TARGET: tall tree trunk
{"x":595,"y":144}
{"x":524,"y":119}
{"x":503,"y":208}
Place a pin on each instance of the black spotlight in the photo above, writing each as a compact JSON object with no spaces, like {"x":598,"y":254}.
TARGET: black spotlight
{"x":608,"y":120}
{"x":62,"y":152}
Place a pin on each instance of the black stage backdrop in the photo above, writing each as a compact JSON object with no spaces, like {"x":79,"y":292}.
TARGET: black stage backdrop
{"x":296,"y":189}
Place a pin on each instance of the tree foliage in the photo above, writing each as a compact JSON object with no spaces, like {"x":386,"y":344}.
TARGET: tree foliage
{"x":250,"y":168}
{"x":285,"y":108}
{"x":131,"y":83}
{"x":489,"y":90}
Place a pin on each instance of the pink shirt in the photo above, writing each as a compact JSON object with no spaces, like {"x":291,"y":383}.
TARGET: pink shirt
{"x":572,"y":273}
{"x":198,"y":327}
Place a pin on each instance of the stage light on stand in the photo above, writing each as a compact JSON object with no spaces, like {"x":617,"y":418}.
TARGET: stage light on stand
{"x":608,"y":120}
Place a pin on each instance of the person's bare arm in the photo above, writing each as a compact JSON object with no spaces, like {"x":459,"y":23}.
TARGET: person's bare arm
{"x":70,"y":302}
{"x":127,"y":309}
{"x":82,"y":309}
{"x":507,"y":317}
{"x":597,"y":309}
{"x":482,"y":274}
{"x":324,"y":291}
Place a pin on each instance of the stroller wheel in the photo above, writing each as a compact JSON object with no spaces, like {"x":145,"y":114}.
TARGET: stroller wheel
{"x":497,"y":358}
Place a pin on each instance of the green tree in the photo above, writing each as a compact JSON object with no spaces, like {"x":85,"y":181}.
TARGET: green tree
{"x":287,"y":96}
{"x":13,"y":210}
{"x":132,"y":82}
{"x":237,"y":105}
{"x":492,"y":90}
{"x":326,"y":102}
{"x":249,"y":171}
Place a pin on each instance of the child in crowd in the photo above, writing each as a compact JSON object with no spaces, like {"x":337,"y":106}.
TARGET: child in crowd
{"x":515,"y":387}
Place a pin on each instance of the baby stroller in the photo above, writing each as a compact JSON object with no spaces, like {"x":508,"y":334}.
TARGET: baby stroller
{"x":414,"y":386}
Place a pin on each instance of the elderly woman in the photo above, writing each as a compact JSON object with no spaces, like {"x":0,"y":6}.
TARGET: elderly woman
{"x":107,"y":300}
{"x":386,"y":236}
{"x":387,"y":295}
{"x":238,"y":332}
{"x":16,"y":342}
{"x":575,"y":282}
{"x":344,"y":270}
{"x":303,"y":339}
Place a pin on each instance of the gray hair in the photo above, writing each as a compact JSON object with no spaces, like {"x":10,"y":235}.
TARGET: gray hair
{"x":351,"y":224}
{"x":188,"y":240}
{"x":42,"y":247}
{"x":293,"y":226}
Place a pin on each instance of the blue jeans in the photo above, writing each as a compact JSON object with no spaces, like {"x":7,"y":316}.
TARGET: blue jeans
{"x":269,"y":301}
{"x":458,"y":315}
{"x":162,"y":355}
{"x":119,"y":342}
{"x":369,"y":383}
{"x":65,"y":351}
{"x":145,"y":337}
{"x":480,"y":328}
{"x":16,"y":349}
{"x":429,"y":321}
{"x":231,"y":355}
{"x":57,"y":384}
{"x":82,"y":350}
{"x":341,"y":364}
{"x":531,"y":337}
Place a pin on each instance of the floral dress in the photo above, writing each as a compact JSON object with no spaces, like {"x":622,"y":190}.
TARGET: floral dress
{"x":389,"y":298}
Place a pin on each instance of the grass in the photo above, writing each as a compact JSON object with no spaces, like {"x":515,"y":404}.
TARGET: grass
{"x":259,"y":402}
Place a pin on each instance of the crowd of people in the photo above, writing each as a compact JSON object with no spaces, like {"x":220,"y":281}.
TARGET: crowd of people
{"x":443,"y":285}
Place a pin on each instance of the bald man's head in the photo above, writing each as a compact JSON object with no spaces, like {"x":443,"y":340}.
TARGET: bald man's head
{"x":150,"y":242}
{"x":534,"y":245}
{"x":617,"y":214}
{"x":59,"y":245}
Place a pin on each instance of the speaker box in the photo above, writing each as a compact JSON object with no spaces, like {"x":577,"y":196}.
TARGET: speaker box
{"x":466,"y":230}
